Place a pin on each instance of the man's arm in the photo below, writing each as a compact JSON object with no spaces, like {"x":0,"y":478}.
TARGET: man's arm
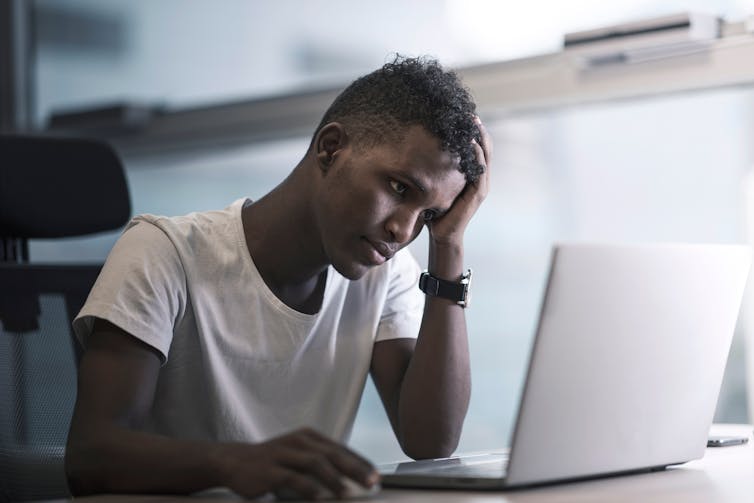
{"x":106,"y":452}
{"x":425,"y":384}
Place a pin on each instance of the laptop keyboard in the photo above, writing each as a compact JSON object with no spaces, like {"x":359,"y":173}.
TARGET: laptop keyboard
{"x":488,"y":469}
{"x":481,"y":466}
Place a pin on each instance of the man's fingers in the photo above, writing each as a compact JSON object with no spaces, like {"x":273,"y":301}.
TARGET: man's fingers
{"x":302,"y":464}
{"x":481,"y":185}
{"x":348,"y":462}
{"x":352,"y":467}
{"x":295,"y":485}
{"x":486,"y":142}
{"x":317,"y":466}
{"x":344,"y":460}
{"x":283,"y":481}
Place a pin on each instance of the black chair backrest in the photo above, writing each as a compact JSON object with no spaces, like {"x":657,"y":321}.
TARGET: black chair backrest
{"x":58,"y":187}
{"x":49,"y":188}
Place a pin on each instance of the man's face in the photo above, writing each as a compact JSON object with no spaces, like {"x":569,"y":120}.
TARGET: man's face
{"x":375,"y":201}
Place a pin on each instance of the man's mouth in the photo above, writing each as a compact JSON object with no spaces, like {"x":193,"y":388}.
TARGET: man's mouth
{"x":381,"y":252}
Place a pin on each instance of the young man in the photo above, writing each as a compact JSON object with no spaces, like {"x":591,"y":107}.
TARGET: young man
{"x":230,"y":348}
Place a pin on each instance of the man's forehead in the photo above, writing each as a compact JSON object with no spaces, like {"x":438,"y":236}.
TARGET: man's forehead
{"x":420,"y":158}
{"x":411,"y":138}
{"x":417,"y":138}
{"x":436,"y":177}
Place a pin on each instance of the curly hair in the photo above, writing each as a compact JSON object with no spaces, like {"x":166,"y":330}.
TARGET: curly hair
{"x":380,"y":106}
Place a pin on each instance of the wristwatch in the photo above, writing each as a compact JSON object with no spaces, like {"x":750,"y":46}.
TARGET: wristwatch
{"x":458,"y":292}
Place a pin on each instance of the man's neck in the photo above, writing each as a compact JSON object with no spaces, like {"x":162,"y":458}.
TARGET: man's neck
{"x":283,"y":241}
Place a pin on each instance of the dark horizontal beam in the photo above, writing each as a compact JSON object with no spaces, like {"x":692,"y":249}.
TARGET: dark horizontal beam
{"x":511,"y":87}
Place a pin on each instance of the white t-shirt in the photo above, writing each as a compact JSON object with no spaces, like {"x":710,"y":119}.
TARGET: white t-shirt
{"x":239,"y":364}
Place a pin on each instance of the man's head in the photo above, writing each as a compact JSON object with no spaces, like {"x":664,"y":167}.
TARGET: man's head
{"x":380,"y":107}
{"x":393,"y":152}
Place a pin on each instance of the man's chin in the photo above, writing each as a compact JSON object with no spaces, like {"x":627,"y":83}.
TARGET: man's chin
{"x":353,"y":271}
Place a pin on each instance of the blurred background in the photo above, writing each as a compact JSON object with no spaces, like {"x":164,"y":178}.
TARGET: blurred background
{"x":654,"y":151}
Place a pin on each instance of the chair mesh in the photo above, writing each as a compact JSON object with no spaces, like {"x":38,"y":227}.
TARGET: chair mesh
{"x":38,"y":386}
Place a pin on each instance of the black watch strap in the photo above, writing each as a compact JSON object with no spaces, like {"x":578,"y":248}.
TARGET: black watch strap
{"x":457,"y":291}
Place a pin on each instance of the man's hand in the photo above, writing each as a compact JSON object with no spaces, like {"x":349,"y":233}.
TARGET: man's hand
{"x":449,"y":229}
{"x":303,"y":462}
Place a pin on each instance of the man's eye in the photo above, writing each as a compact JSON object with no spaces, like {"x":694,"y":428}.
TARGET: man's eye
{"x":428,"y":215}
{"x":398,"y":187}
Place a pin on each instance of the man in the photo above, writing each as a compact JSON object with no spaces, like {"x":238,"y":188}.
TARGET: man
{"x":230,"y":348}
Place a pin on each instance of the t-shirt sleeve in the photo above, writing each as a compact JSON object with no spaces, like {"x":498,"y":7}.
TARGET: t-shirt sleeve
{"x":141,"y":289}
{"x":404,"y":305}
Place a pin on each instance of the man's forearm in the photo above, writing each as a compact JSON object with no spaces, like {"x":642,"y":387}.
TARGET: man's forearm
{"x":121,"y":460}
{"x":305,"y":462}
{"x":436,"y":387}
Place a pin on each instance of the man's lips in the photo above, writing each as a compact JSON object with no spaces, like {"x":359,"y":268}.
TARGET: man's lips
{"x":382,"y":248}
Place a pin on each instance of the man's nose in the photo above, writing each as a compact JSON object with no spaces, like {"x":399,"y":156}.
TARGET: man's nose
{"x":403,"y":226}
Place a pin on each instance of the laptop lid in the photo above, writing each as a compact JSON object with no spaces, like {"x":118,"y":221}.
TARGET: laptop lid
{"x":625,"y":369}
{"x":628,"y":359}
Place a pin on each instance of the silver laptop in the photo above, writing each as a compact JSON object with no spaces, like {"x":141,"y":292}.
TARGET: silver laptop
{"x":624,"y":371}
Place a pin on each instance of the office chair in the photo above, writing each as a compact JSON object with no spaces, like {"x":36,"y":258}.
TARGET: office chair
{"x":49,"y":188}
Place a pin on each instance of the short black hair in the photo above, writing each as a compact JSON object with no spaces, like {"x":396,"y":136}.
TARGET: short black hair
{"x":380,"y":106}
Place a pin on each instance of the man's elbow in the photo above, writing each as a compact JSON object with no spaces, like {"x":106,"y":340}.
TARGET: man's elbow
{"x":424,"y":448}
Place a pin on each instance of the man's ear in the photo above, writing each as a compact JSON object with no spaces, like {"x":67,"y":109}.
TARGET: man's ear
{"x":330,"y":140}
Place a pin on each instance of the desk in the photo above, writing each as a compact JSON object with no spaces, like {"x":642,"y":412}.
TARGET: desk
{"x":725,"y":474}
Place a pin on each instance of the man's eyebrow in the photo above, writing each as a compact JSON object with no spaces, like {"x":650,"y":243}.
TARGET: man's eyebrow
{"x":415,"y":181}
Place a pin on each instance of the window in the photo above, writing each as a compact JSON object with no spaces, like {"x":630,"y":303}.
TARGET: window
{"x":177,"y":54}
{"x":655,"y":152}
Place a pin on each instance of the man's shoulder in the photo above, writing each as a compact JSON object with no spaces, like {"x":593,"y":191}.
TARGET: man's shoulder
{"x":200,"y":237}
{"x":196,"y":221}
{"x":196,"y":227}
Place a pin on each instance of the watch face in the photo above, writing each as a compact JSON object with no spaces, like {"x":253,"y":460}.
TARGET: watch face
{"x":466,"y":281}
